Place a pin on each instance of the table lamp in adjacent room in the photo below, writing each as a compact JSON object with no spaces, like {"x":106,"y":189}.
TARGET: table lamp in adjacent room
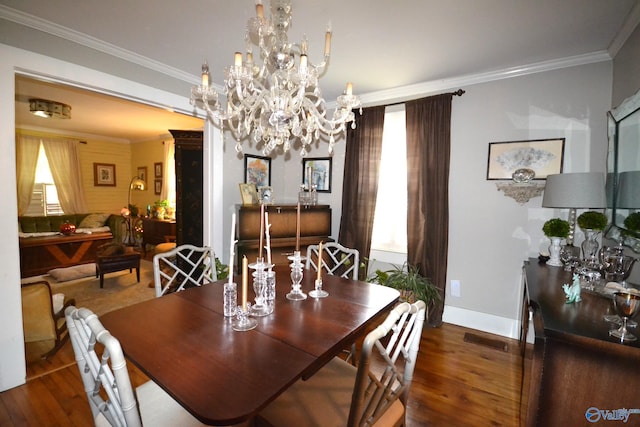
{"x":136,"y":184}
{"x":573,"y":191}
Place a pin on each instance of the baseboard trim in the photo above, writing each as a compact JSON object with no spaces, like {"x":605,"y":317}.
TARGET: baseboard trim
{"x":489,"y":323}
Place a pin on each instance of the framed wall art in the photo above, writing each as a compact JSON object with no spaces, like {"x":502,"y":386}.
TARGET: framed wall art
{"x":543,"y":156}
{"x":317,"y":171}
{"x":257,"y":170}
{"x":248,"y":194}
{"x":157,"y":170}
{"x":142,"y":174}
{"x":157,"y":186}
{"x":104,"y":175}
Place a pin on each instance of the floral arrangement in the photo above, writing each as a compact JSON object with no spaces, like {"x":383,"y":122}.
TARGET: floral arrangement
{"x":632,"y":222}
{"x":592,"y":220}
{"x":556,"y":227}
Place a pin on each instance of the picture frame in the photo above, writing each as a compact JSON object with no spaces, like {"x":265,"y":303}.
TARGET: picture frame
{"x":543,"y":156}
{"x":104,"y":175}
{"x":257,"y":170}
{"x":142,"y":174}
{"x":157,"y":170}
{"x":318,"y":170}
{"x":157,"y":186}
{"x":248,"y":194}
{"x":265,"y":195}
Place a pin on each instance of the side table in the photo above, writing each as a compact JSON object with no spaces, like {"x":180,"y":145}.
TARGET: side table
{"x":112,"y":263}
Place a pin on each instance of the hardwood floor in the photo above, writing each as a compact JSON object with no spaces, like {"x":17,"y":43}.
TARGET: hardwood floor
{"x":463,"y":378}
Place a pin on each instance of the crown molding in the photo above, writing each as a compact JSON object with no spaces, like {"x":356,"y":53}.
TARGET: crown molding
{"x":405,"y":93}
{"x":56,"y":30}
{"x":630,"y":23}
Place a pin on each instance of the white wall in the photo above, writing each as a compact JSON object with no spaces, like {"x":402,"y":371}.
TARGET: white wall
{"x":490,"y":235}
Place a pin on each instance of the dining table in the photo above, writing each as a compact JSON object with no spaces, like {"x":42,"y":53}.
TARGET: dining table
{"x":184,"y":343}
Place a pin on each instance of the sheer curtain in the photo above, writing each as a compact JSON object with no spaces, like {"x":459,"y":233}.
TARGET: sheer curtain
{"x":27,"y":148}
{"x":360,"y":186}
{"x":428,"y":157}
{"x":64,"y":163}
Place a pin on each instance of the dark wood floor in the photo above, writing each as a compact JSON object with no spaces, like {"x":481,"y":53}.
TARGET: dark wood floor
{"x":457,"y":382}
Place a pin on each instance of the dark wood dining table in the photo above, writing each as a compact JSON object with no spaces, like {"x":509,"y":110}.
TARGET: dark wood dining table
{"x":183,"y":342}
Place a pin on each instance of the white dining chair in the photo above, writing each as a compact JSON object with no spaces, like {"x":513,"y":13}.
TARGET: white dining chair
{"x":107,"y":384}
{"x":340,"y":394}
{"x":336,"y":259}
{"x":183,"y":267}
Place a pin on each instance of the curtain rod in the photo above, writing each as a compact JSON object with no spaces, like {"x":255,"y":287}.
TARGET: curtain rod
{"x":458,"y":92}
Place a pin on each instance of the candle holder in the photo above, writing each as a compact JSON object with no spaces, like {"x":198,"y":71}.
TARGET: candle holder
{"x":270,"y":293}
{"x":243,"y":322}
{"x":230,"y":299}
{"x":260,"y":308}
{"x":318,"y":292}
{"x":296,"y":265}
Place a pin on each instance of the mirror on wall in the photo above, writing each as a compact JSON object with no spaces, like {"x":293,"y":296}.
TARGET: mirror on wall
{"x":623,"y":173}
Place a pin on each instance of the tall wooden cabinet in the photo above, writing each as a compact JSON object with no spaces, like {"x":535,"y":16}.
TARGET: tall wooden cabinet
{"x":315,"y":226}
{"x":189,"y":187}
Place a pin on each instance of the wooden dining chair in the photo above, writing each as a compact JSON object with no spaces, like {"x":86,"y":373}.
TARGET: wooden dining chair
{"x":336,"y":259}
{"x":103,"y":369}
{"x":373,"y":394}
{"x":183,"y":267}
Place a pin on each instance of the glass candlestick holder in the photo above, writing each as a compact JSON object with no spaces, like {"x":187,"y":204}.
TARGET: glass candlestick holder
{"x":318,"y":292}
{"x":296,"y":265}
{"x":270,"y":293}
{"x":243,"y":322}
{"x":230,"y":299}
{"x":260,"y":307}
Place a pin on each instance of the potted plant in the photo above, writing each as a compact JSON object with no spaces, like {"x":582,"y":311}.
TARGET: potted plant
{"x":592,"y":220}
{"x":632,"y":223}
{"x":411,"y":284}
{"x":591,"y":223}
{"x":555,"y":229}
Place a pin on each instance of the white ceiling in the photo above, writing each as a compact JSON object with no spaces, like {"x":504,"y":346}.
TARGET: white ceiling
{"x":378,"y":45}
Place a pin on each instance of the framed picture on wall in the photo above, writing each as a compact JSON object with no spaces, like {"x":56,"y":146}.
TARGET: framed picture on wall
{"x":543,"y":156}
{"x":142,"y":174}
{"x":257,"y":170}
{"x":157,"y":170}
{"x":317,"y":172}
{"x":104,"y":175}
{"x":157,"y":186}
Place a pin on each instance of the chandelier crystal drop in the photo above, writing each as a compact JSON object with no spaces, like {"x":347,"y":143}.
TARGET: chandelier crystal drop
{"x":278,"y":101}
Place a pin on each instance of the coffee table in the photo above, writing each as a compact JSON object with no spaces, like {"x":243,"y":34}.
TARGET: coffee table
{"x":112,"y":263}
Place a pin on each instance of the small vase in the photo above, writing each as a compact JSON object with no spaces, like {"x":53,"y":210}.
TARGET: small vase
{"x":67,"y":228}
{"x":590,"y":245}
{"x":554,"y":252}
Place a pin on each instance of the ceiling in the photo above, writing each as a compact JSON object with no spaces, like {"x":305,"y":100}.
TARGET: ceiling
{"x":380,"y":46}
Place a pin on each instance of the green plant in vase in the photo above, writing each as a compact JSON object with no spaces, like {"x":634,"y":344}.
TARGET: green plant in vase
{"x":632,"y":224}
{"x":555,"y":229}
{"x":591,"y":223}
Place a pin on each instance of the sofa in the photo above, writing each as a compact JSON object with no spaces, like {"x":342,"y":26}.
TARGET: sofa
{"x":43,"y":247}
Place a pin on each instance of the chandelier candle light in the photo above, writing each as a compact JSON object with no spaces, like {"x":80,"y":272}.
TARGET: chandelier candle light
{"x":278,"y":101}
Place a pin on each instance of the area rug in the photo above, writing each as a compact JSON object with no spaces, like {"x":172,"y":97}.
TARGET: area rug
{"x":120,"y":289}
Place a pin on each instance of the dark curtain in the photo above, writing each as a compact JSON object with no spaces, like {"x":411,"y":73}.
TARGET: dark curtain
{"x":428,"y":153}
{"x":360,"y":185}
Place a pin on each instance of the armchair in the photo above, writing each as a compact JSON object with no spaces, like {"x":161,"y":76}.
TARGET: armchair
{"x":45,"y":329}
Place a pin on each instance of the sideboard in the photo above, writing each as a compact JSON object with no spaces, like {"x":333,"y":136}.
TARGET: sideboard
{"x":315,"y":226}
{"x":156,"y":231}
{"x":574,"y":373}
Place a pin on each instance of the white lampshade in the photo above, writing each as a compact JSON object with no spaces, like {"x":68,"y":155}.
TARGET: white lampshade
{"x":575,"y":190}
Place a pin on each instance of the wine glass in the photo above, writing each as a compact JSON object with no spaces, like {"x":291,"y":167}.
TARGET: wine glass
{"x":627,"y":305}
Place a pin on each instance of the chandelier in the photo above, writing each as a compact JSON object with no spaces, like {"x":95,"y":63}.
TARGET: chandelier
{"x":278,"y":101}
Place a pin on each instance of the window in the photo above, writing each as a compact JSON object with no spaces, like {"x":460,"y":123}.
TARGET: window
{"x":390,"y":220}
{"x":44,"y":199}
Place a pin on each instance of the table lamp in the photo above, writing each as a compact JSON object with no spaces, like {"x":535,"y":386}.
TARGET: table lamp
{"x":628,"y":196}
{"x":573,"y":191}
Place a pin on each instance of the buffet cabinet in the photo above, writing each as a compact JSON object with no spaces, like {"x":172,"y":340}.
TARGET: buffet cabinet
{"x":315,"y":226}
{"x":574,"y":373}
